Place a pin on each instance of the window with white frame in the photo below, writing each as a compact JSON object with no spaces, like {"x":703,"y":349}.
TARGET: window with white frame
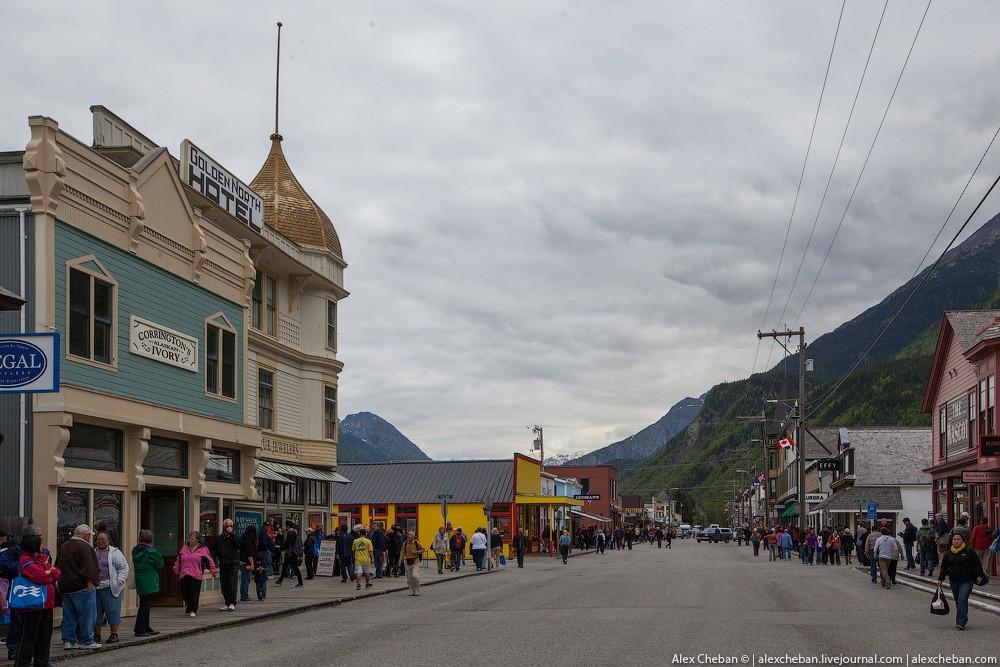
{"x":330,"y":412}
{"x":265,"y":399}
{"x":91,"y":306}
{"x":220,"y":357}
{"x":331,"y":324}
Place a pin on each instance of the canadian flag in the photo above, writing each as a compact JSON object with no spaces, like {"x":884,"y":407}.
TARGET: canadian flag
{"x":785,"y":443}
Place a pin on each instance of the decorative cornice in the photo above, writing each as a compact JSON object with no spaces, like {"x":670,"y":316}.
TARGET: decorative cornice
{"x":136,"y":214}
{"x":44,"y":166}
{"x":137,"y":438}
{"x":200,"y":245}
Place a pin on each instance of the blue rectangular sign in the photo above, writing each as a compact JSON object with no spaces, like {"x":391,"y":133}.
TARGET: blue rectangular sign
{"x":872,"y":509}
{"x":29,"y":363}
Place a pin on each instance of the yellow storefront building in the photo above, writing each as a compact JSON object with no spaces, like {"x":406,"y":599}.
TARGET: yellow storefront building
{"x":424,"y":495}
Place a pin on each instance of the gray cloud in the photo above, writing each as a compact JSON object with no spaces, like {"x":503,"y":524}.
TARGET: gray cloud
{"x":557,"y":213}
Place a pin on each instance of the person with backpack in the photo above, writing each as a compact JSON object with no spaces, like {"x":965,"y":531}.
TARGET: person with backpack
{"x":847,"y":544}
{"x":393,"y":545}
{"x":457,"y":544}
{"x":909,"y":535}
{"x":292,"y":555}
{"x":926,"y":548}
{"x":564,"y":544}
{"x":34,"y":615}
{"x":980,"y":542}
{"x":192,"y":560}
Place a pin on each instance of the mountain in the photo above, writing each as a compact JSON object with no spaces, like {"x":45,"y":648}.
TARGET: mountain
{"x":965,"y":277}
{"x":366,"y":437}
{"x":637,"y":447}
{"x":885,"y":390}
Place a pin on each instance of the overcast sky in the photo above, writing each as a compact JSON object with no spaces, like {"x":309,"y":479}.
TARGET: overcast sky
{"x":563,"y":213}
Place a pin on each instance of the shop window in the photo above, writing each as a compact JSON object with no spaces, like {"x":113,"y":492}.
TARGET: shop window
{"x":292,"y":493}
{"x":330,"y":412}
{"x":94,"y":447}
{"x":331,"y":325}
{"x":99,"y":509}
{"x":317,"y":492}
{"x":208,"y":520}
{"x":270,"y":491}
{"x":265,"y":399}
{"x":987,"y":405}
{"x":166,"y":458}
{"x":91,"y":311}
{"x":972,"y":418}
{"x":942,"y":432}
{"x":223,"y":465}
{"x":406,"y":518}
{"x":256,"y":301}
{"x":220,"y":357}
{"x":316,"y":521}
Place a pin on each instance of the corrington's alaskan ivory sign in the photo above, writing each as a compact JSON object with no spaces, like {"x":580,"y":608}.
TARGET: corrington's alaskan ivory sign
{"x":206,"y":176}
{"x":151,"y":340}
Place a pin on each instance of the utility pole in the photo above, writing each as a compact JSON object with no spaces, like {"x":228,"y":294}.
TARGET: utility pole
{"x":539,"y":444}
{"x":801,"y":430}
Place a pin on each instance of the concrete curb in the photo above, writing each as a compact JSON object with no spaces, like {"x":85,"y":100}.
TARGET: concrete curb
{"x":260,"y":617}
{"x":918,"y":583}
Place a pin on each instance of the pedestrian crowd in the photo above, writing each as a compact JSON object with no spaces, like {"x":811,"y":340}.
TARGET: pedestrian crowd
{"x":961,"y":554}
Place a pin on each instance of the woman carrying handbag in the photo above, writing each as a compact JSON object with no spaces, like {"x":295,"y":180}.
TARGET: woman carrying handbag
{"x":962,"y":567}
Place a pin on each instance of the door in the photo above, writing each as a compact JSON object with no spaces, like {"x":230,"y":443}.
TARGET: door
{"x":162,"y":511}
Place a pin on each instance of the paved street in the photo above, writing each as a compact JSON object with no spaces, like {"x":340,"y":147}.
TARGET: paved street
{"x":643,"y":605}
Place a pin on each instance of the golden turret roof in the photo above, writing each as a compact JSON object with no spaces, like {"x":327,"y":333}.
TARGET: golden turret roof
{"x":288,"y":208}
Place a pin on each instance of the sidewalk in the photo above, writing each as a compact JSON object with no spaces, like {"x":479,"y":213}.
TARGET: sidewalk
{"x":984,"y":597}
{"x":281,"y":600}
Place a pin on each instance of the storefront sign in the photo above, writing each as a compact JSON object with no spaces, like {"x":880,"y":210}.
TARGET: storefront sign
{"x":246,"y":518}
{"x":816,"y":497}
{"x":989,"y":445}
{"x":587,"y":496}
{"x":327,"y":554}
{"x":29,"y":363}
{"x":153,"y":341}
{"x":979,"y":476}
{"x":276,"y":446}
{"x":206,"y":176}
{"x":827,"y":464}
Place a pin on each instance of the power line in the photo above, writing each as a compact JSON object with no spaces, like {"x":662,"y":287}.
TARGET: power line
{"x":836,"y":159}
{"x":864,"y":165}
{"x":926,"y":275}
{"x":798,"y":189}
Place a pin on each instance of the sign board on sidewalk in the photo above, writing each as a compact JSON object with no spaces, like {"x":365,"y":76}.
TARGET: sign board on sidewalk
{"x":872,"y":509}
{"x":29,"y":363}
{"x":327,"y":554}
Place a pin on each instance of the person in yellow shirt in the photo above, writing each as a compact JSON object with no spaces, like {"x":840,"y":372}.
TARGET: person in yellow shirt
{"x":363,"y":564}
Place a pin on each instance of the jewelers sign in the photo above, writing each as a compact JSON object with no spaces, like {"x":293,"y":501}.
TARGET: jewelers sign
{"x":205,"y":175}
{"x":148,"y":339}
{"x":29,"y":363}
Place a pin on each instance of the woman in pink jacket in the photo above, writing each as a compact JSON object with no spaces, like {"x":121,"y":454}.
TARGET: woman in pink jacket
{"x":192,"y":561}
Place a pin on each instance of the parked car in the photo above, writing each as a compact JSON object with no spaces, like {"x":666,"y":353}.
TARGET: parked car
{"x":715,"y":534}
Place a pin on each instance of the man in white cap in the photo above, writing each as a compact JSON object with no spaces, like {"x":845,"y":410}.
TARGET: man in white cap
{"x":81,"y":574}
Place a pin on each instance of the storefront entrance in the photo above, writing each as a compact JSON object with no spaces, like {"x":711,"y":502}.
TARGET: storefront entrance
{"x":162,"y":511}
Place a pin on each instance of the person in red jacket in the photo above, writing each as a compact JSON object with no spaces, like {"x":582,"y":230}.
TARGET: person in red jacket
{"x":36,"y":625}
{"x":980,"y":543}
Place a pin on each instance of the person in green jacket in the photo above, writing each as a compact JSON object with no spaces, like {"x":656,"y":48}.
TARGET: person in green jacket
{"x":146,"y":563}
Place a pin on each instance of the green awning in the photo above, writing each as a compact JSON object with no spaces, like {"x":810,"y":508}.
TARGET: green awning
{"x":791,"y":510}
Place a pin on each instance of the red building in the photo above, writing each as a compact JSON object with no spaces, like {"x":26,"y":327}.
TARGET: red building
{"x":961,"y":398}
{"x":601,"y":483}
